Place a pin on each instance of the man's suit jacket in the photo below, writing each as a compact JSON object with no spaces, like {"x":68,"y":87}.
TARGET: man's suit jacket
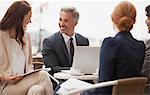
{"x":121,"y":56}
{"x":55,"y":53}
{"x":146,"y":65}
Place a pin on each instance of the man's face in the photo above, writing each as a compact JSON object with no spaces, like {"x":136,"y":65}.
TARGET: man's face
{"x":67,"y":23}
{"x":148,"y":23}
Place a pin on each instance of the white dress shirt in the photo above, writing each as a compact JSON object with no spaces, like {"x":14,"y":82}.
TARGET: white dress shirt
{"x":67,"y":41}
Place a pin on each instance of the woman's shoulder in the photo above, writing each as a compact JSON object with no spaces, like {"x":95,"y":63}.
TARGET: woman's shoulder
{"x":3,"y":33}
{"x":140,"y":43}
{"x":112,"y":42}
{"x":109,"y":40}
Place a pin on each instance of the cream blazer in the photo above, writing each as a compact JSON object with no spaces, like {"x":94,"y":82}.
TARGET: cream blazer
{"x":6,"y":56}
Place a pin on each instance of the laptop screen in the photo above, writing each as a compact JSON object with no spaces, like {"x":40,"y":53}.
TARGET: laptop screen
{"x":86,"y":59}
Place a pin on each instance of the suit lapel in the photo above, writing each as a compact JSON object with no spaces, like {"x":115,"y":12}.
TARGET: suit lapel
{"x":8,"y":46}
{"x":77,"y":39}
{"x":62,"y":44}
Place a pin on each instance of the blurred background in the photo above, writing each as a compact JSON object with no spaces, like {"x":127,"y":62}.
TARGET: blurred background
{"x":94,"y":22}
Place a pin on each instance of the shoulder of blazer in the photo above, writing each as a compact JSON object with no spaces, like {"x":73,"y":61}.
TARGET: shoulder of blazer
{"x":111,"y":43}
{"x":81,"y":36}
{"x":142,"y":44}
{"x":81,"y":40}
{"x":3,"y":33}
{"x":109,"y":40}
{"x":53,"y":39}
{"x":54,"y":36}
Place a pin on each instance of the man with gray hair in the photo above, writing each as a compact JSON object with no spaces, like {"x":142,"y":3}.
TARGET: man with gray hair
{"x":58,"y":49}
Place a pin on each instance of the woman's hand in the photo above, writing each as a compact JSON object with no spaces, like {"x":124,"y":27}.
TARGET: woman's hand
{"x":11,"y":79}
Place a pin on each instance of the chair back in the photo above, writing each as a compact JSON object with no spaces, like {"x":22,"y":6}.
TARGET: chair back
{"x":126,"y":86}
{"x":130,"y":86}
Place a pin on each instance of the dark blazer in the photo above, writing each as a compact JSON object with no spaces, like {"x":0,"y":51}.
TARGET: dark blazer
{"x":121,"y":56}
{"x":55,"y":53}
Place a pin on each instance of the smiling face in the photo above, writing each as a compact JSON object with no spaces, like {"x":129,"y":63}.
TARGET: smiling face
{"x":67,"y":23}
{"x":26,"y":20}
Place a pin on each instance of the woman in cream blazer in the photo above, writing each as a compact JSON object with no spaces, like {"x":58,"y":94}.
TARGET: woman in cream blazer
{"x":16,"y":55}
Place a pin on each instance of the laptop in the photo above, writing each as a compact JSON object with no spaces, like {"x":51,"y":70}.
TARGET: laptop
{"x":86,"y":59}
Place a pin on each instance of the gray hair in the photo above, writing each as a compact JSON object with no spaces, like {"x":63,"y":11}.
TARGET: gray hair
{"x":73,"y":10}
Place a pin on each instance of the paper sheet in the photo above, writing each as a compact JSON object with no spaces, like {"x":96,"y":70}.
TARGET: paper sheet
{"x":72,"y":84}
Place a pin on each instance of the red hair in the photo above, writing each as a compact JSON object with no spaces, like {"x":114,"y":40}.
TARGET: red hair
{"x":124,"y":16}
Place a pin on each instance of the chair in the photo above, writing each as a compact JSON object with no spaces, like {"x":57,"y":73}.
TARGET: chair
{"x":130,"y":86}
{"x":147,"y":89}
{"x":126,"y":86}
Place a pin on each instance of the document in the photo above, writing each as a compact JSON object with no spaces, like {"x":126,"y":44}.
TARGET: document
{"x":13,"y":77}
{"x":72,"y":84}
{"x":37,"y":70}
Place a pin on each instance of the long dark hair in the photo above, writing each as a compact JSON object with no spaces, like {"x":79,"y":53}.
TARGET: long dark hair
{"x":13,"y":18}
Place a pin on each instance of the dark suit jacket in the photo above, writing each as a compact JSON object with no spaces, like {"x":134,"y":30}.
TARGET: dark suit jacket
{"x":55,"y":53}
{"x":121,"y":56}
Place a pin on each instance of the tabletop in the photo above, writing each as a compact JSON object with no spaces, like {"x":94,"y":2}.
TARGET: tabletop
{"x":61,"y":75}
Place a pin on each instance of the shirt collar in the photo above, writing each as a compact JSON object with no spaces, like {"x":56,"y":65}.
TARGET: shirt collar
{"x":66,"y":37}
